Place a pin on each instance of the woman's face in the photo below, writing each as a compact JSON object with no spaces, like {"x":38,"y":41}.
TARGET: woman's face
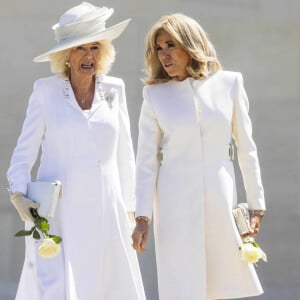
{"x":172,"y":56}
{"x":84,"y":59}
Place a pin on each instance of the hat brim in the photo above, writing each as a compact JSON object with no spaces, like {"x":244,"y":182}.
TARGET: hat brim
{"x":106,"y":34}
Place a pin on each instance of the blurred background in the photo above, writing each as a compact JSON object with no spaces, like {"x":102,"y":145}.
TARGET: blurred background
{"x":260,"y":38}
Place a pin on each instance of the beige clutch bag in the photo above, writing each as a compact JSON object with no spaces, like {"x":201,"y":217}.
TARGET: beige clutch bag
{"x":47,"y":194}
{"x":242,"y":218}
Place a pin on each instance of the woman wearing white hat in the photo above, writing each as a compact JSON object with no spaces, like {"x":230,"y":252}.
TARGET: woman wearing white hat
{"x":79,"y":117}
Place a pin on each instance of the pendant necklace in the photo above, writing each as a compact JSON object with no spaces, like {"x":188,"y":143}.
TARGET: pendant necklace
{"x":98,"y":89}
{"x":84,"y":99}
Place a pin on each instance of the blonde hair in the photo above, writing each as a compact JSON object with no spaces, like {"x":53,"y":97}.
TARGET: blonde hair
{"x":106,"y":58}
{"x":189,"y":35}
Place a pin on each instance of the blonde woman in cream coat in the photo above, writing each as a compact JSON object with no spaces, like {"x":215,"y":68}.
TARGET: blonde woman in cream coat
{"x":192,"y":111}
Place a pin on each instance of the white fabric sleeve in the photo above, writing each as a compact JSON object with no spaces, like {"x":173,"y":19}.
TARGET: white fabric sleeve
{"x":246,"y":148}
{"x":29,"y":141}
{"x":147,"y":162}
{"x":125,"y":154}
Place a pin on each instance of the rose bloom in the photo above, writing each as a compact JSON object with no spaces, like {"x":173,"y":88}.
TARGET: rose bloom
{"x":249,"y":253}
{"x":48,"y":248}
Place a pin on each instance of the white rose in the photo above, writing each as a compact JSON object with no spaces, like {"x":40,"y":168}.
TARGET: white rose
{"x":48,"y":248}
{"x":249,"y":253}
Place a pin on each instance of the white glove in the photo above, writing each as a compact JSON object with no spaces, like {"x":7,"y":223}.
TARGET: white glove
{"x":23,"y":206}
{"x":131,"y":218}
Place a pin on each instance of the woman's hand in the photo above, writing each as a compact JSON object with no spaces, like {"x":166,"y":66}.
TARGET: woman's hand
{"x":140,"y":235}
{"x":255,"y":222}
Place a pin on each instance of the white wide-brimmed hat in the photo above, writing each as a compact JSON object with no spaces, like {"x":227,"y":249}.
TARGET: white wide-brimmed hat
{"x":80,"y":25}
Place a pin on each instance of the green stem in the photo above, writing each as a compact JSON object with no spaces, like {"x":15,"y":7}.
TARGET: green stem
{"x":45,"y":235}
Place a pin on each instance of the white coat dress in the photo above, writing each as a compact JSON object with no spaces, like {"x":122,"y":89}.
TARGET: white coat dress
{"x":185,"y":173}
{"x":91,"y":154}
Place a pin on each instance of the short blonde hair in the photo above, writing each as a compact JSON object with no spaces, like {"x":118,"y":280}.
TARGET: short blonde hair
{"x":191,"y":36}
{"x":106,"y":58}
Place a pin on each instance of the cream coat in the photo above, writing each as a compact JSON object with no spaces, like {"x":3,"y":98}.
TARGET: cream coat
{"x":185,"y":172}
{"x":91,"y":154}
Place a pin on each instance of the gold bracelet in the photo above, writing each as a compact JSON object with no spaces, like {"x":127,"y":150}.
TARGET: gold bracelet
{"x":144,"y":218}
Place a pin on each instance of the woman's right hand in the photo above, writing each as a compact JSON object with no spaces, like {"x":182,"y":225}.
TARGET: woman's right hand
{"x":23,"y":206}
{"x":140,"y":235}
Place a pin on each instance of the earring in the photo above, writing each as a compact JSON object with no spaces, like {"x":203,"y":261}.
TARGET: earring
{"x":68,"y":64}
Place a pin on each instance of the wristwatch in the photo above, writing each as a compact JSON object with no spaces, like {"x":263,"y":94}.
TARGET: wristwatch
{"x":257,"y":213}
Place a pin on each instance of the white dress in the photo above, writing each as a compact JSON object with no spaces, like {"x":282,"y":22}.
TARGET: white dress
{"x":91,"y":154}
{"x":185,"y":176}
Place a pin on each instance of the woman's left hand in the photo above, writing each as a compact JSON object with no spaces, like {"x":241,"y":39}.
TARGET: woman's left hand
{"x":255,"y":222}
{"x":140,"y":235}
